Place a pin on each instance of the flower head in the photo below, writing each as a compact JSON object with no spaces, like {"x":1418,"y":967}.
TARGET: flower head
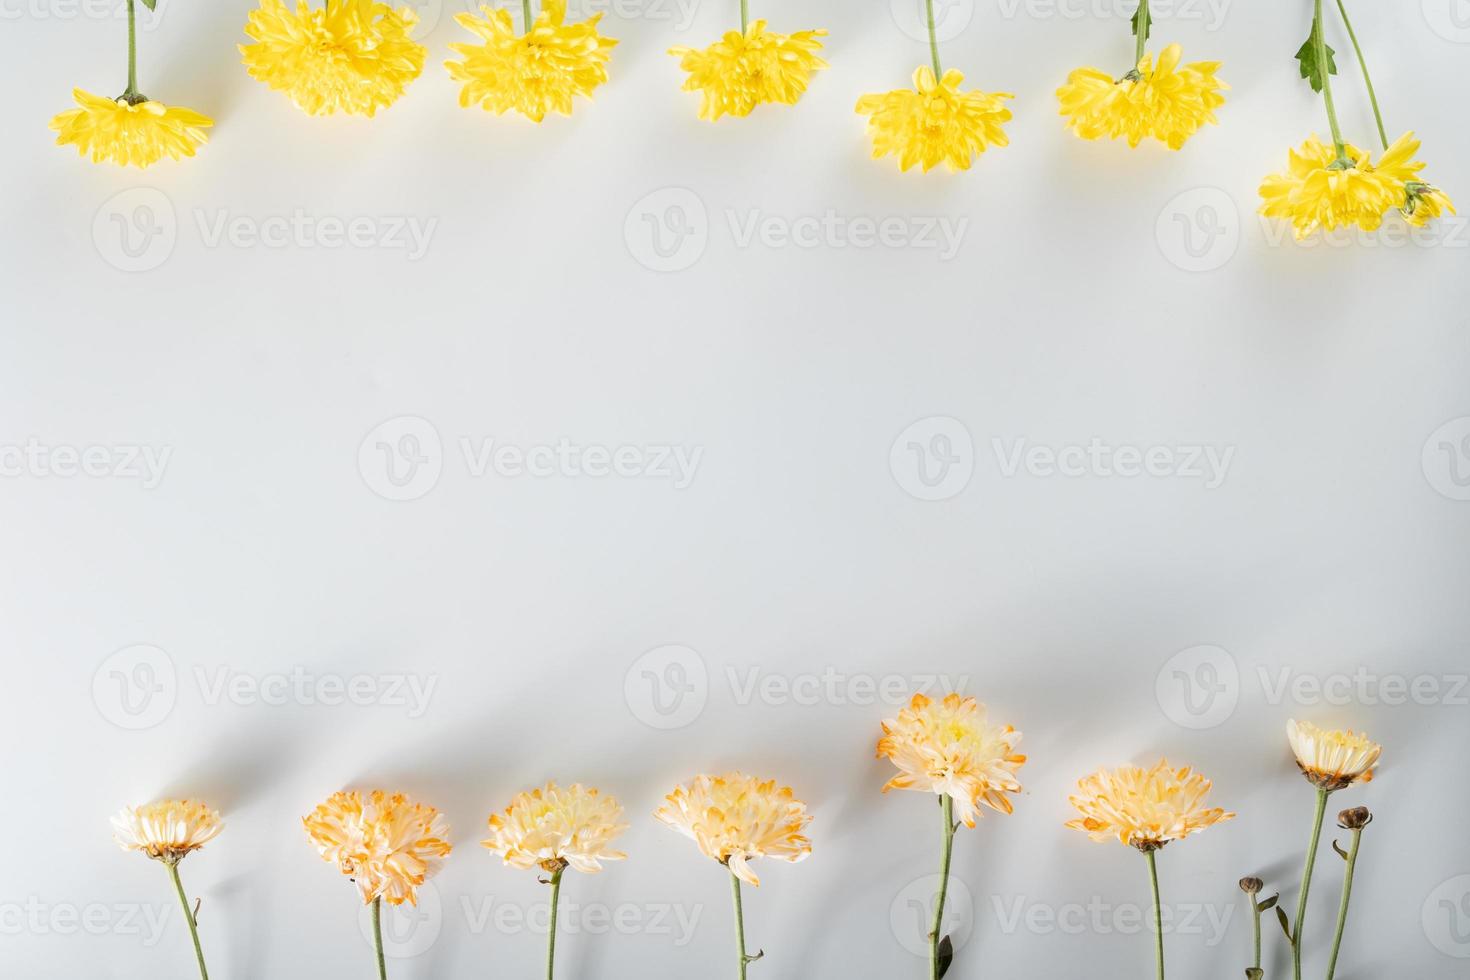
{"x":355,"y":56}
{"x":1422,"y":202}
{"x":388,"y":845}
{"x":934,"y":122}
{"x":735,"y":817}
{"x":551,"y":828}
{"x":742,"y":70}
{"x":1320,"y":191}
{"x":130,"y":133}
{"x":166,"y":830}
{"x":534,"y":73}
{"x":1165,"y":100}
{"x":1332,"y":760}
{"x":947,"y":747}
{"x":1144,"y":808}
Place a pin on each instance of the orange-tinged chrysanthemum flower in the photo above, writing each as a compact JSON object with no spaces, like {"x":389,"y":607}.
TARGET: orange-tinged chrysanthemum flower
{"x":743,"y":70}
{"x":1422,"y":202}
{"x":129,"y":133}
{"x":934,"y":122}
{"x":166,"y":830}
{"x":1320,"y":192}
{"x":736,"y":817}
{"x":353,"y":56}
{"x":387,"y":844}
{"x":1144,"y":808}
{"x":1332,"y":759}
{"x":1167,"y":100}
{"x":947,"y":747}
{"x":552,"y":828}
{"x":534,"y":73}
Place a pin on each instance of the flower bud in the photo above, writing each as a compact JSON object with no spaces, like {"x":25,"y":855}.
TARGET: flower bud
{"x":1251,"y":886}
{"x":1355,"y":818}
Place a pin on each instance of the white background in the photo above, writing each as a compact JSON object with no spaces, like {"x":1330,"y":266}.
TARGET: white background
{"x":1333,"y":551}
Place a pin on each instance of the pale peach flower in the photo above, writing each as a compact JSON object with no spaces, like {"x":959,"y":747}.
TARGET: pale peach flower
{"x":387,"y":844}
{"x":1332,"y":759}
{"x":736,"y":817}
{"x":1144,"y":808}
{"x":166,"y":830}
{"x":552,"y":828}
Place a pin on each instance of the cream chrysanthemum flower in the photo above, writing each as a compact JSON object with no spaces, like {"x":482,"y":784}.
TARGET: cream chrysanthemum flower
{"x":1422,"y":202}
{"x":1332,"y":760}
{"x":166,"y":830}
{"x":552,"y":828}
{"x":735,"y":817}
{"x":934,"y":122}
{"x":534,"y":73}
{"x":1320,"y":192}
{"x":1144,"y":808}
{"x":947,"y":747}
{"x":130,"y":133}
{"x":743,"y":70}
{"x":1167,"y":100}
{"x":387,"y":844}
{"x":353,"y":56}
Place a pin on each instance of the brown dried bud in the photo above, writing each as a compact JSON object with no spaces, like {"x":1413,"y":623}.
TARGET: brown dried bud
{"x":1355,"y":819}
{"x":1251,"y":886}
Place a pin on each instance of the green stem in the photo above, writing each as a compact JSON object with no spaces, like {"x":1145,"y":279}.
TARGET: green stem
{"x":1367,"y":78}
{"x":551,"y":928}
{"x":744,"y":16}
{"x":947,"y":809}
{"x":1347,"y":894}
{"x":1145,"y":20}
{"x":933,"y":39}
{"x":739,"y":925}
{"x":378,"y":938}
{"x":1320,"y":44}
{"x":132,"y":92}
{"x":173,"y":871}
{"x":1256,"y":908}
{"x":526,"y":13}
{"x":1301,"y":902}
{"x":1153,"y":876}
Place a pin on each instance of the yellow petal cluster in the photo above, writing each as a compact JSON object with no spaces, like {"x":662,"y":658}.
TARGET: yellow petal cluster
{"x":166,"y":830}
{"x":534,"y":73}
{"x":1165,"y":100}
{"x":1422,"y":202}
{"x":387,"y":844}
{"x":353,"y":56}
{"x":947,"y":747}
{"x":934,"y":122}
{"x":1144,"y":808}
{"x":129,"y":133}
{"x":736,"y":817}
{"x":551,"y":828}
{"x":1332,"y":759}
{"x":743,"y":70}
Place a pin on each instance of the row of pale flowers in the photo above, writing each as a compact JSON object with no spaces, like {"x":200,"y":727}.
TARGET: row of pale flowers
{"x":389,"y":845}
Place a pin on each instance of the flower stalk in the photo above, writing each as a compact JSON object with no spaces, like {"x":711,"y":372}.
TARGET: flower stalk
{"x":1153,"y":877}
{"x":132,"y":95}
{"x":946,"y":806}
{"x":173,"y":873}
{"x":1141,"y":27}
{"x":551,"y":927}
{"x":378,"y":938}
{"x":744,"y":959}
{"x":933,"y":38}
{"x":1342,"y":162}
{"x":1301,"y":902}
{"x":1363,"y":67}
{"x":1352,"y":820}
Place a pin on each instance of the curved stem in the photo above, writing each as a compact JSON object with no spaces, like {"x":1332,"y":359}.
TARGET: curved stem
{"x":378,"y":938}
{"x":1320,"y":44}
{"x":947,"y":809}
{"x":739,"y":925}
{"x":551,"y":928}
{"x":1153,"y":876}
{"x":933,"y":39}
{"x":173,"y":872}
{"x":1347,"y":893}
{"x":1367,"y":79}
{"x":1142,"y":27}
{"x":132,"y":91}
{"x":1301,"y":902}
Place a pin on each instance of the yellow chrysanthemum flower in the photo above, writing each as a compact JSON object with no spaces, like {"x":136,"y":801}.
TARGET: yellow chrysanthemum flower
{"x":167,"y":830}
{"x":742,"y":70}
{"x":355,"y":56}
{"x":129,"y":133}
{"x":552,"y":828}
{"x":1422,"y":202}
{"x":1332,"y":760}
{"x":388,"y":845}
{"x":735,"y":817}
{"x":1318,"y":191}
{"x":1144,"y":808}
{"x":934,"y":122}
{"x":1167,"y":100}
{"x":534,"y":73}
{"x":946,"y":747}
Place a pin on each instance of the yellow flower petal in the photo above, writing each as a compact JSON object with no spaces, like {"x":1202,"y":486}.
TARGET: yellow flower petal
{"x":387,"y":844}
{"x":935,"y":122}
{"x":743,"y":70}
{"x":734,"y":817}
{"x":130,"y":134}
{"x":1144,"y":808}
{"x":1164,"y":101}
{"x":550,"y":828}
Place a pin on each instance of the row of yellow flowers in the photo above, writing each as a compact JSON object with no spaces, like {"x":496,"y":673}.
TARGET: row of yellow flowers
{"x":357,"y":56}
{"x":389,"y":845}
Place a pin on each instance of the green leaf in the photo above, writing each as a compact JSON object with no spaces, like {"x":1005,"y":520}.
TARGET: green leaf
{"x":150,"y":3}
{"x":1281,"y":917}
{"x":946,"y":955}
{"x":1149,"y":30}
{"x":1269,"y":903}
{"x":1311,"y":71}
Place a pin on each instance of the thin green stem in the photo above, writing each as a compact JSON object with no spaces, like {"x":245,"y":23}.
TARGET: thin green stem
{"x":173,"y":872}
{"x":933,"y":39}
{"x":1301,"y":902}
{"x":1347,"y":894}
{"x":946,"y":808}
{"x":1256,"y":908}
{"x":378,"y":938}
{"x":744,"y":15}
{"x":1145,"y":20}
{"x":1367,"y":78}
{"x":739,"y":925}
{"x":132,"y":91}
{"x":1153,"y":877}
{"x":526,"y":13}
{"x":1320,"y":44}
{"x":551,"y":927}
